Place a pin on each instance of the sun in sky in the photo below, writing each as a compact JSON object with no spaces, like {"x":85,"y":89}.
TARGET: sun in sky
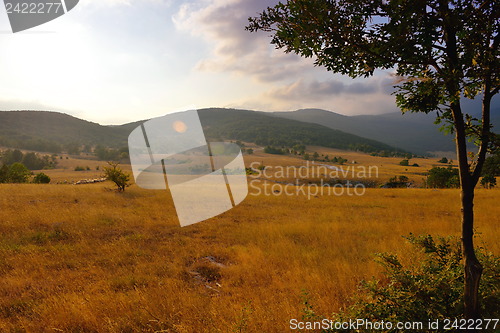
{"x":114,"y":61}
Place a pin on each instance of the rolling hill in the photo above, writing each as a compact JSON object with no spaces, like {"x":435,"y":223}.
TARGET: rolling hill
{"x":414,"y":132}
{"x":264,"y":129}
{"x":51,"y":131}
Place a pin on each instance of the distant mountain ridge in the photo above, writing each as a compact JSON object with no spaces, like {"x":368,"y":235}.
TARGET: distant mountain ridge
{"x":415,"y":132}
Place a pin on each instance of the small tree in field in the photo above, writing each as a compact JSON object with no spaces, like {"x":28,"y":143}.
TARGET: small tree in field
{"x":443,"y":160}
{"x":440,"y":50}
{"x":114,"y":173}
{"x":443,"y":178}
{"x":41,"y":178}
{"x":404,"y":163}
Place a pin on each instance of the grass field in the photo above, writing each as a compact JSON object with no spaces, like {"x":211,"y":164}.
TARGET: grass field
{"x":88,"y":259}
{"x":386,"y":167}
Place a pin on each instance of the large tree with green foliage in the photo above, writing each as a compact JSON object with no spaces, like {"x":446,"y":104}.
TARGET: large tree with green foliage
{"x":441,"y":51}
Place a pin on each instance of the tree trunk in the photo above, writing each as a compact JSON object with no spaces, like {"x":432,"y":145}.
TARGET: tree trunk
{"x":473,"y":268}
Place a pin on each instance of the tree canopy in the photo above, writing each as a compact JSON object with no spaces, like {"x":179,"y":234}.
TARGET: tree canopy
{"x":440,"y":52}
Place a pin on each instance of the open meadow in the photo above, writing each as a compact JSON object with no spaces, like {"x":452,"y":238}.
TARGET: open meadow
{"x":85,"y":258}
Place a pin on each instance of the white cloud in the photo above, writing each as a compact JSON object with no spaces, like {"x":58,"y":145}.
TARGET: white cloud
{"x":355,"y":97}
{"x":222,"y":24}
{"x":292,"y":82}
{"x":124,"y":59}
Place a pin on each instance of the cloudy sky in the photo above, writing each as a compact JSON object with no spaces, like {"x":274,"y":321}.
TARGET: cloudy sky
{"x":114,"y":61}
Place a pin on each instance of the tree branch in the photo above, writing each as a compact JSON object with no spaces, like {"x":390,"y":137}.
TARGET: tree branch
{"x":495,"y":91}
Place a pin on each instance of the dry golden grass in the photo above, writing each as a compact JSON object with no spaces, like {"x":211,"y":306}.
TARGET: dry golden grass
{"x":87,"y":259}
{"x":66,"y":166}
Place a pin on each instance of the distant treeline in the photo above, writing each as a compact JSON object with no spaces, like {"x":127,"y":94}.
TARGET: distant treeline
{"x":32,"y":161}
{"x":101,"y":152}
{"x":16,"y":166}
{"x":110,"y":154}
{"x":31,"y":144}
{"x":42,"y":145}
{"x":392,"y":153}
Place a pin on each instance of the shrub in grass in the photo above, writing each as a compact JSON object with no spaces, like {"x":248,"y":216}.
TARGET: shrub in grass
{"x":41,"y":178}
{"x":427,"y":289}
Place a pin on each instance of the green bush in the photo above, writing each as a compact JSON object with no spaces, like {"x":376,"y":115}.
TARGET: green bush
{"x":274,"y":150}
{"x":488,"y":181}
{"x":4,"y":174}
{"x":250,"y":171}
{"x":18,"y":173}
{"x":443,"y":177}
{"x":427,"y":289}
{"x":397,"y":182}
{"x":492,"y":165}
{"x":340,"y":160}
{"x":41,"y":178}
{"x":404,"y":163}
